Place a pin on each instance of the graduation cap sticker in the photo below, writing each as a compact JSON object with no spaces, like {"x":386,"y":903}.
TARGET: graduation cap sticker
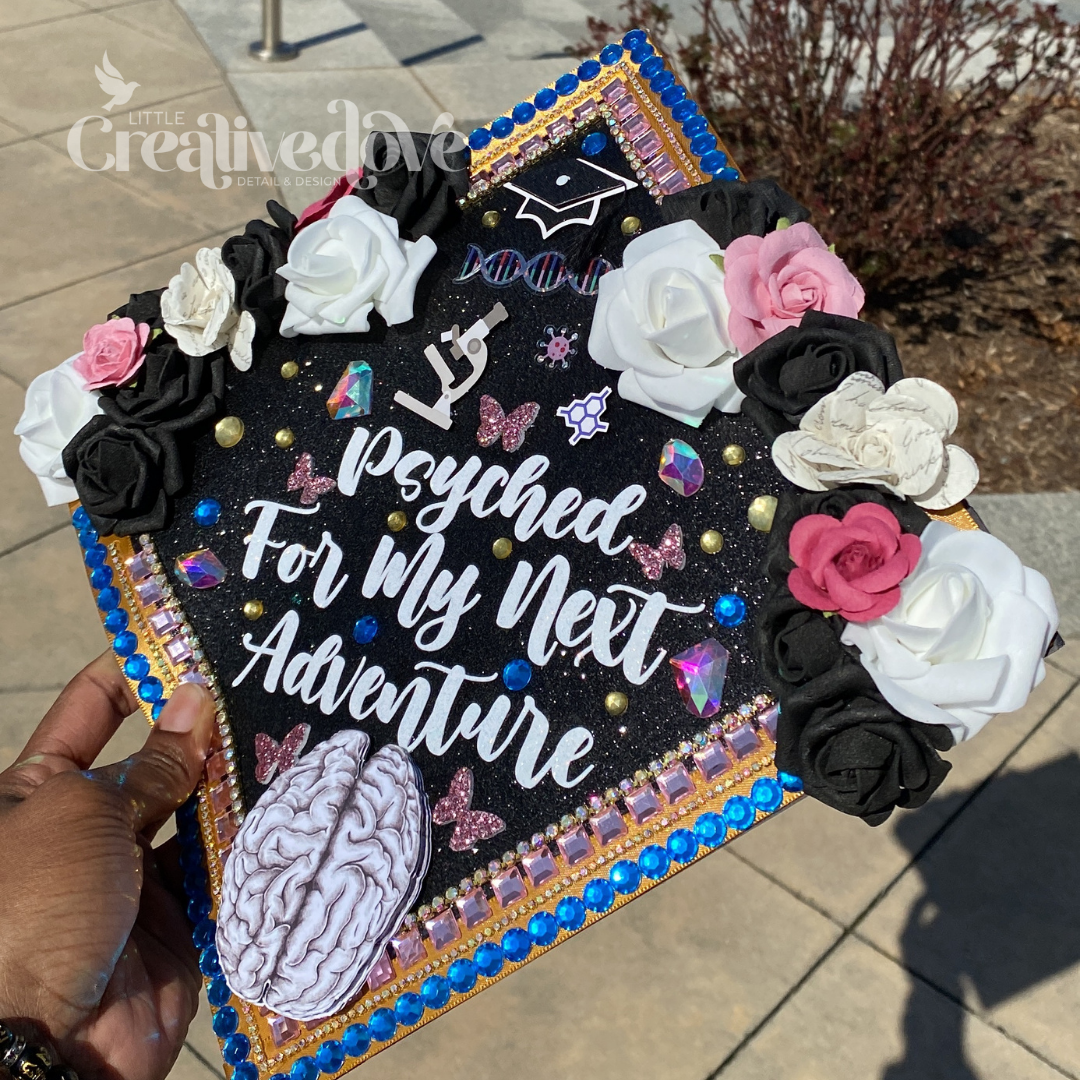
{"x":567,"y":195}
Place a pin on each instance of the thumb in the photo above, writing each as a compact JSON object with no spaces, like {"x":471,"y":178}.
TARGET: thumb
{"x":165,"y":771}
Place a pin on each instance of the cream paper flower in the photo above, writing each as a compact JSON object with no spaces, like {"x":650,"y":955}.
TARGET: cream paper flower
{"x":662,"y":321}
{"x":968,"y":637}
{"x":862,"y":433}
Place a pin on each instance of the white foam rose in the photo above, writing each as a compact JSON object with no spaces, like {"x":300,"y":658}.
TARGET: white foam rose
{"x":968,"y":637}
{"x":343,"y":267}
{"x":662,"y":321}
{"x":57,"y":407}
{"x":199,"y":310}
{"x":862,"y":433}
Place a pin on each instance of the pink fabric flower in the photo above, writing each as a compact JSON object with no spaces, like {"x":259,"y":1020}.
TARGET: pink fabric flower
{"x":853,"y":566}
{"x":772,"y":281}
{"x":112,"y":353}
{"x":321,"y":207}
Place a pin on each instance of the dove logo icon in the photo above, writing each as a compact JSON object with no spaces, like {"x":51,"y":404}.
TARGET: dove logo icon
{"x":112,"y":82}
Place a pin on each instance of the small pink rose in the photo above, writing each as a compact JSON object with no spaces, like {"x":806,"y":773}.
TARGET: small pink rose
{"x":772,"y":281}
{"x":853,"y":566}
{"x":321,"y":207}
{"x":112,"y":353}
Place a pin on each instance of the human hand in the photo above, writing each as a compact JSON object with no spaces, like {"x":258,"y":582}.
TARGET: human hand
{"x":95,"y":949}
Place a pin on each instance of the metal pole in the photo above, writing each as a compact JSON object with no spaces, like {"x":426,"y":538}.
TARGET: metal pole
{"x":271,"y":47}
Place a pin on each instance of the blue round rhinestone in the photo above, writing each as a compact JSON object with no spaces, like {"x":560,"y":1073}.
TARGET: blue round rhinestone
{"x":157,"y":708}
{"x":713,"y":162}
{"x":206,"y":513}
{"x":88,"y":536}
{"x":137,"y":667}
{"x":728,"y":173}
{"x":633,"y":39}
{"x":703,"y":143}
{"x":516,"y":944}
{"x":150,"y":689}
{"x":108,"y":598}
{"x":125,"y":643}
{"x":218,"y":993}
{"x":681,"y":845}
{"x":543,"y":928}
{"x":383,"y":1024}
{"x":653,"y":66}
{"x":523,"y":112}
{"x":116,"y":620}
{"x":462,"y":975}
{"x":625,"y":877}
{"x":488,"y":959}
{"x":610,"y":54}
{"x":226,"y":1021}
{"x":236,"y":1048}
{"x":331,"y":1055}
{"x":96,"y":555}
{"x":100,"y":576}
{"x":653,"y":861}
{"x":661,"y":82}
{"x":246,"y":1070}
{"x":789,"y":781}
{"x":588,"y":70}
{"x":570,"y":913}
{"x":502,"y":127}
{"x":208,"y":962}
{"x":408,"y":1009}
{"x":598,"y":895}
{"x":517,"y":674}
{"x":435,"y":991}
{"x":566,"y":84}
{"x":198,"y":907}
{"x":364,"y":629}
{"x":739,"y":812}
{"x":304,"y":1069}
{"x":203,"y":935}
{"x":593,"y":143}
{"x":672,"y":96}
{"x":479,"y":138}
{"x":710,"y":829}
{"x":545,"y":98}
{"x":683,"y":111}
{"x":729,"y":609}
{"x":80,"y":518}
{"x":642,"y":53}
{"x":356,"y":1038}
{"x":767,"y":794}
{"x":693,"y":125}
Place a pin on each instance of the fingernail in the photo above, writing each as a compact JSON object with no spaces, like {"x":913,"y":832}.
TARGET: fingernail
{"x":33,"y":759}
{"x":183,"y":710}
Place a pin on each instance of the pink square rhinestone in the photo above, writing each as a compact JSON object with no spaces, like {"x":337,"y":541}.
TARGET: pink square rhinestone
{"x":614,"y":90}
{"x":473,"y":908}
{"x":221,"y":798}
{"x":647,"y":145}
{"x":636,"y":126}
{"x":673,"y":183}
{"x":225,"y":825}
{"x":585,"y":110}
{"x":149,"y":593}
{"x":282,"y":1029}
{"x":608,"y":825}
{"x":535,"y":143}
{"x":443,"y":929}
{"x":139,"y":567}
{"x":178,"y":650}
{"x":507,"y":161}
{"x":712,"y":761}
{"x":509,"y":887}
{"x":661,"y":167}
{"x":642,"y":804}
{"x":163,"y":622}
{"x":675,"y":783}
{"x":409,"y":949}
{"x":575,"y":845}
{"x":626,"y":108}
{"x":743,"y":740}
{"x":381,"y":973}
{"x":217,"y":768}
{"x":560,"y":127}
{"x":540,"y":866}
{"x":767,"y":720}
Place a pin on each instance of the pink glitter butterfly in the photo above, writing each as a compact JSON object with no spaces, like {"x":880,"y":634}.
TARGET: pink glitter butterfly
{"x":495,"y":423}
{"x":304,"y":480}
{"x":270,"y":755}
{"x":472,"y":825}
{"x":669,"y":553}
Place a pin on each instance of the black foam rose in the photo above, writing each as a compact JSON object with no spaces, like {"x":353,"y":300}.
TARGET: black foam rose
{"x":726,"y":209}
{"x":144,"y":307}
{"x":124,"y":475}
{"x":792,"y":371}
{"x":253,"y":260}
{"x":423,"y":199}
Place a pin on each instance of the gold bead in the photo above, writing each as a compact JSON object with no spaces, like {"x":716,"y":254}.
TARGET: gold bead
{"x":616,"y":703}
{"x":284,"y":438}
{"x":490,"y":219}
{"x":502,"y":547}
{"x":761,"y":512}
{"x":733,"y":454}
{"x":396,"y":521}
{"x":290,"y":369}
{"x":711,"y":542}
{"x":630,"y":225}
{"x":252,"y":609}
{"x":228,"y":431}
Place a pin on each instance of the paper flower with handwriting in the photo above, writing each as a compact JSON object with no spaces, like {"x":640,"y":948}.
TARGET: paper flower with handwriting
{"x":967,"y":639}
{"x":862,"y":433}
{"x":345,"y":266}
{"x":662,"y":320}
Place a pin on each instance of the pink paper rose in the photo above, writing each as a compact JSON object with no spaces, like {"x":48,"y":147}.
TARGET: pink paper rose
{"x":853,"y":566}
{"x":772,"y":281}
{"x":112,"y":353}
{"x":320,"y":208}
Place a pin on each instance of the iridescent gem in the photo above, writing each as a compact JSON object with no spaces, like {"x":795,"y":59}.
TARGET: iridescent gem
{"x":539,"y":866}
{"x":352,"y":395}
{"x":206,"y":513}
{"x":699,"y":675}
{"x":200,"y":569}
{"x":608,"y":825}
{"x":381,"y":973}
{"x":575,"y":846}
{"x":675,"y":783}
{"x":473,"y":908}
{"x":730,"y":609}
{"x":681,"y":467}
{"x":509,"y":887}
